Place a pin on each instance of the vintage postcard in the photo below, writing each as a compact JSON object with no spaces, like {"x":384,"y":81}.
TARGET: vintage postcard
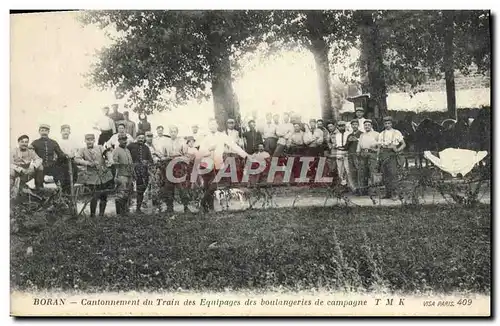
{"x":250,"y":163}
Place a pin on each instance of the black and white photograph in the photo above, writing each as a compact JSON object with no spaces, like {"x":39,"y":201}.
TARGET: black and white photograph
{"x":250,"y":162}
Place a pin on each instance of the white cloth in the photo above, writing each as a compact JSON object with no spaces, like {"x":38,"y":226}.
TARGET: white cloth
{"x":456,"y":161}
{"x":390,"y":137}
{"x":113,"y":141}
{"x":212,"y":146}
{"x":160,"y":144}
{"x":105,"y":123}
{"x":284,"y":131}
{"x":268,"y":130}
{"x":69,"y":146}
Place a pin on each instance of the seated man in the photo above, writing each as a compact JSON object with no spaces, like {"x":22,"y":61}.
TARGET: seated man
{"x":24,"y":162}
{"x":52,"y":157}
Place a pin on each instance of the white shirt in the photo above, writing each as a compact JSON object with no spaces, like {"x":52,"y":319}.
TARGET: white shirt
{"x":269,"y":130}
{"x":390,"y":137}
{"x":69,"y":146}
{"x":284,"y":131}
{"x":341,"y":138}
{"x":219,"y":140}
{"x":197,"y":139}
{"x":105,"y":123}
{"x":235,"y":136}
{"x":175,"y":147}
{"x":160,"y":144}
{"x":361,"y":126}
{"x":113,"y":141}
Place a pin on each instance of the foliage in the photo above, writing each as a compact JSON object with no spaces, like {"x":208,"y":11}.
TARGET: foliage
{"x":370,"y":249}
{"x":412,"y":44}
{"x":160,"y":59}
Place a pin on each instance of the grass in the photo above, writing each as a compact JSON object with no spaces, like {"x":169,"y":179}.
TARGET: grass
{"x":364,"y":249}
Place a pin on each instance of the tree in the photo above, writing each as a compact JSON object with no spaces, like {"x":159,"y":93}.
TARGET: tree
{"x":433,"y":44}
{"x":161,"y":59}
{"x":318,"y":31}
{"x":404,"y":49}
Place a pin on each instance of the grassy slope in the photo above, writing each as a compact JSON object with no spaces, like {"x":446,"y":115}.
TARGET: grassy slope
{"x":440,"y":248}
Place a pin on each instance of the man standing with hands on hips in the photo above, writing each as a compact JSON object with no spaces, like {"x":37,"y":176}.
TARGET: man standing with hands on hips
{"x":391,"y":142}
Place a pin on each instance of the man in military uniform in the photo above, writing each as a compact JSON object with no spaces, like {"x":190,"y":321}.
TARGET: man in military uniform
{"x":124,"y":175}
{"x":142,"y":158}
{"x":96,"y":174}
{"x":52,"y":156}
{"x":367,"y":153}
{"x":391,"y":142}
{"x":24,"y":162}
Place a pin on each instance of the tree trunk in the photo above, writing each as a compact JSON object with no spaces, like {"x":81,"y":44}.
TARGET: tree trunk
{"x":320,"y":52}
{"x":319,"y":49}
{"x":225,"y":100}
{"x":372,"y":65}
{"x":448,"y":64}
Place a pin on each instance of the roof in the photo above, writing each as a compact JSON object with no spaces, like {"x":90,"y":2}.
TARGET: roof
{"x":436,"y":101}
{"x":352,"y":98}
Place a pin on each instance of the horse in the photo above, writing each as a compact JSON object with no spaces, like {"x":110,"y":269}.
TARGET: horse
{"x":428,"y":137}
{"x":408,"y":129}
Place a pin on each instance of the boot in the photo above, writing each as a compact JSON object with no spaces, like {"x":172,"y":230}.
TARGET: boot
{"x":102,"y":208}
{"x":118,"y":204}
{"x":93,"y":207}
{"x":140,"y":198}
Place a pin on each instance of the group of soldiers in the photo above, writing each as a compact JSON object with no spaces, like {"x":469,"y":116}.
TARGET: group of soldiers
{"x":127,"y":155}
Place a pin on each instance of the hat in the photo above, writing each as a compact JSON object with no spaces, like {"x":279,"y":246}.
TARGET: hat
{"x":312,"y":120}
{"x":120,"y":137}
{"x":387,"y":118}
{"x":341,"y":123}
{"x":148,"y":134}
{"x":355,"y":121}
{"x":368,"y":120}
{"x":230,"y":120}
{"x":188,"y":138}
{"x":89,"y":136}
{"x":140,"y":133}
{"x":43,"y":125}
{"x":64,"y":127}
{"x":359,"y":109}
{"x":22,"y":137}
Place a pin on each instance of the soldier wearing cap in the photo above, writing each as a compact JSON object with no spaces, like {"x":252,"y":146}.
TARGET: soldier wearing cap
{"x":340,"y":152}
{"x":129,"y":125}
{"x":196,"y":135}
{"x":124,"y":175}
{"x":155,"y":175}
{"x":116,"y":115}
{"x":316,"y":140}
{"x":175,"y":148}
{"x":352,"y":146}
{"x":284,"y":131}
{"x":52,"y":156}
{"x":105,"y":125}
{"x":269,"y":133}
{"x":234,"y":134}
{"x":391,"y":142}
{"x":24,"y":162}
{"x":96,"y":173}
{"x":367,"y":151}
{"x":113,"y":141}
{"x":69,"y":146}
{"x":142,"y":159}
{"x":252,"y":138}
{"x":359,"y":113}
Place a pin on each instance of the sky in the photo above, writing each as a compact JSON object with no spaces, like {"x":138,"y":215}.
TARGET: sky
{"x":51,"y":52}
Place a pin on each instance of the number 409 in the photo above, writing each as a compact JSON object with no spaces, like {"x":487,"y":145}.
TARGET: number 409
{"x":465,"y":302}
